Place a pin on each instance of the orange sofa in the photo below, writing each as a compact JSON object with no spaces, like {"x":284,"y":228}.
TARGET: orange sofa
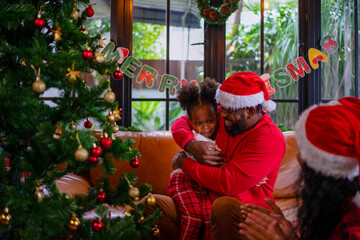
{"x":157,"y":149}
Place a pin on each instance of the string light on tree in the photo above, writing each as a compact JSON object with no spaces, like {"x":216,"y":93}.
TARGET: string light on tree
{"x":83,"y":29}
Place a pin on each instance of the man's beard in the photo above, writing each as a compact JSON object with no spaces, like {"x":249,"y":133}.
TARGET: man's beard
{"x":237,"y":127}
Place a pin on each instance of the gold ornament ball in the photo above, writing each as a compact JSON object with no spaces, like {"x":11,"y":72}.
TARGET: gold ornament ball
{"x":156,"y":231}
{"x":38,"y":86}
{"x":150,"y":200}
{"x":74,"y":222}
{"x":109,"y":96}
{"x":5,"y":217}
{"x":134,"y":192}
{"x":75,"y":15}
{"x":115,"y":128}
{"x":81,"y":154}
{"x":99,"y":59}
{"x":73,"y":126}
{"x":111,"y":118}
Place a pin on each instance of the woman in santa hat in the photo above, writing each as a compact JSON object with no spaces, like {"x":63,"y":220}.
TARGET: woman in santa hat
{"x":328,"y":138}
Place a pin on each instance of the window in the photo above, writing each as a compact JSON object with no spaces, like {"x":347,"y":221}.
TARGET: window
{"x":263,"y":43}
{"x":172,"y":47}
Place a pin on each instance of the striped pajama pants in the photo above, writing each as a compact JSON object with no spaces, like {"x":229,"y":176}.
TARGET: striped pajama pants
{"x":194,"y":206}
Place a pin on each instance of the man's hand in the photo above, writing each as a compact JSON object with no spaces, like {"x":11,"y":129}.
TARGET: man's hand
{"x":205,"y":153}
{"x":179,"y":160}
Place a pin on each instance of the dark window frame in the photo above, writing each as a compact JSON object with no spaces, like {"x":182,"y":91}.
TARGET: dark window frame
{"x":309,"y":22}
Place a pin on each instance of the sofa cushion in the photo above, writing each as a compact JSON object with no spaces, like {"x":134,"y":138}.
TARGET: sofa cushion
{"x":289,"y":169}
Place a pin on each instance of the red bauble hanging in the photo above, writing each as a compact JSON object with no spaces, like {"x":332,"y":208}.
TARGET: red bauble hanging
{"x":134,"y":163}
{"x":39,"y":23}
{"x":93,"y":159}
{"x":228,"y":1}
{"x":87,"y":54}
{"x":96,"y":151}
{"x":118,"y":75}
{"x":97,"y":225}
{"x":89,"y":11}
{"x":100,"y":197}
{"x":87,"y":124}
{"x":105,"y":142}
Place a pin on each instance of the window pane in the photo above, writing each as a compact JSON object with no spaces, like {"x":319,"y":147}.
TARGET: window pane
{"x":285,"y":114}
{"x":243,"y":39}
{"x":186,"y":41}
{"x":280,"y":43}
{"x":148,"y":115}
{"x":149,"y":44}
{"x":337,"y":74}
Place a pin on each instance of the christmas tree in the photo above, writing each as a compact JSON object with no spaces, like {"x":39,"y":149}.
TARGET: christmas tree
{"x":44,"y":44}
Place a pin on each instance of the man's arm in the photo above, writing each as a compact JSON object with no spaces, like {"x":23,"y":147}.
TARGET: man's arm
{"x":243,"y":171}
{"x":205,"y":152}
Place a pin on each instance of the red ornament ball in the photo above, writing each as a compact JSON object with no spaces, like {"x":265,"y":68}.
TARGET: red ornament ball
{"x":87,"y":124}
{"x":105,"y":142}
{"x":89,"y":11}
{"x":96,"y":151}
{"x":39,"y":23}
{"x":93,"y":159}
{"x":97,"y":225}
{"x":135,"y":163}
{"x":228,"y":1}
{"x":118,"y":75}
{"x":100,"y":197}
{"x":87,"y":54}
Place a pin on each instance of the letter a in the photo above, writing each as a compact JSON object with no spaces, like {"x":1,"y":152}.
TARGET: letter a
{"x":315,"y":56}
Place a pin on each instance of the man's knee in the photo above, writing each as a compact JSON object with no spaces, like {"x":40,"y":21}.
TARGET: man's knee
{"x":225,"y":208}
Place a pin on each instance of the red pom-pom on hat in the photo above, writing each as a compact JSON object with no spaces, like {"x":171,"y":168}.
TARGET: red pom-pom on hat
{"x":244,"y":90}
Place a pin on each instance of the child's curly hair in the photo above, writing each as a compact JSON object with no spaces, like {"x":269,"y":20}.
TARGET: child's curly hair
{"x":190,"y":95}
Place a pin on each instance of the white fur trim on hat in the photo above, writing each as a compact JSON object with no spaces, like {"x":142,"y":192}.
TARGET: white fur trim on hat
{"x":326,"y":163}
{"x":356,"y":199}
{"x":233,"y":102}
{"x":269,"y":106}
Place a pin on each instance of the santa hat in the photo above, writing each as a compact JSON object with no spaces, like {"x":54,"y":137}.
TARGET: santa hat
{"x":328,"y":138}
{"x":244,"y":90}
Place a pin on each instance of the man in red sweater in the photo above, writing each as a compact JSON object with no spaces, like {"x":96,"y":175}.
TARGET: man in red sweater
{"x":251,"y":145}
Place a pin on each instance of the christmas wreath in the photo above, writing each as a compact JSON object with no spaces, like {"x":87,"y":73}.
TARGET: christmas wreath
{"x":217,"y":15}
